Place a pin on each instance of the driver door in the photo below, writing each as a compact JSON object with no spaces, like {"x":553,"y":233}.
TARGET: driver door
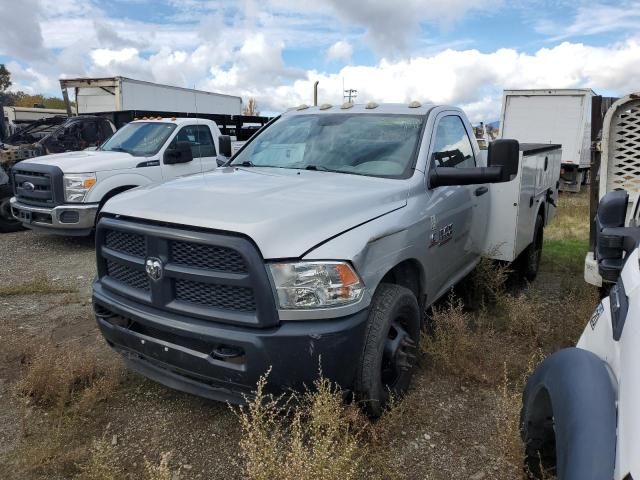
{"x":452,"y":209}
{"x":189,"y":135}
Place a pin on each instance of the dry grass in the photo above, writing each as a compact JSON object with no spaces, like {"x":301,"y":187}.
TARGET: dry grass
{"x":461,"y":343}
{"x":102,"y":463}
{"x":160,"y":470}
{"x":572,"y":218}
{"x":57,"y":377}
{"x":37,"y":285}
{"x":316,"y":438}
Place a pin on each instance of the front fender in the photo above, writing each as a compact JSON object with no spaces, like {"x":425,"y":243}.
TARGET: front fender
{"x":104,"y":186}
{"x":574,"y":388}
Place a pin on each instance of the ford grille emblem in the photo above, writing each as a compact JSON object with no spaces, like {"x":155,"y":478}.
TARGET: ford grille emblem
{"x":153,"y":267}
{"x":29,"y":186}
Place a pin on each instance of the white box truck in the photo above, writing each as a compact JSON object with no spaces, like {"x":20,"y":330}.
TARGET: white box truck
{"x":116,"y":94}
{"x":555,"y":116}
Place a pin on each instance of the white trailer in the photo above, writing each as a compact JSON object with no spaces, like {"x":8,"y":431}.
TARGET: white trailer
{"x":116,"y":94}
{"x":18,"y":117}
{"x":558,"y":116}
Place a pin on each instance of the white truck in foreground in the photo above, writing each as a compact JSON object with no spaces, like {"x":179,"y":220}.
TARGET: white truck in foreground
{"x":320,"y":243}
{"x":62,"y":193}
{"x":559,"y":116}
{"x":580,"y":416}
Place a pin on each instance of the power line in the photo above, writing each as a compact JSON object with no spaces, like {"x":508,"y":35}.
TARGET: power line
{"x":350,"y":94}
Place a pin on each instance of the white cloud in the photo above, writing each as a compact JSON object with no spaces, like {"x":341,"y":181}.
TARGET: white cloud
{"x":594,"y":19}
{"x":469,"y":78}
{"x":341,"y":50}
{"x":237,"y":48}
{"x":103,"y":57}
{"x":20,"y":33}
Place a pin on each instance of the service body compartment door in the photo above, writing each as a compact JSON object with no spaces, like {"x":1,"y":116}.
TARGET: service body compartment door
{"x":529,"y":201}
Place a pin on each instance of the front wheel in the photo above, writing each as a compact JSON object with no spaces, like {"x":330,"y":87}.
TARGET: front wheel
{"x":389,"y":352}
{"x":7,"y":222}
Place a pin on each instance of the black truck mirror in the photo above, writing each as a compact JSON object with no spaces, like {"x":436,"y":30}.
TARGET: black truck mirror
{"x":224,"y":143}
{"x":505,"y":154}
{"x":181,"y":153}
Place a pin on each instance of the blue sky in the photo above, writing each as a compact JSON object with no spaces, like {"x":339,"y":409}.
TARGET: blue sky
{"x":454,"y":51}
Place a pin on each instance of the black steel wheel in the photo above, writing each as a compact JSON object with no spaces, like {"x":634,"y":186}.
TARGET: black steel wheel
{"x":389,"y":353}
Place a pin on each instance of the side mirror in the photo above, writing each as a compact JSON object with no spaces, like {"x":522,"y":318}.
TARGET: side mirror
{"x":505,"y":154}
{"x":224,"y":145}
{"x":181,"y":153}
{"x":450,"y":176}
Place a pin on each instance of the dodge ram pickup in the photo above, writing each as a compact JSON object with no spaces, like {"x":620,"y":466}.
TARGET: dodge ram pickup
{"x":319,"y":244}
{"x":62,"y":193}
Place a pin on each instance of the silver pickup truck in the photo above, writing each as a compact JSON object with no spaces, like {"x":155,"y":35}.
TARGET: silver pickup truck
{"x":320,"y":244}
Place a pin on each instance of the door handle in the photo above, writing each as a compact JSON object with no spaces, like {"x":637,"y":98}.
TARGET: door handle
{"x":481,"y":191}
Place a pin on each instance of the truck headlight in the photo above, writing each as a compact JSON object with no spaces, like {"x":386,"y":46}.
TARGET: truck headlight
{"x":76,"y":186}
{"x":316,"y":284}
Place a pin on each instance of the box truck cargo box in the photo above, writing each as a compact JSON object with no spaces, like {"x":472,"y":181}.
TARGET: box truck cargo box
{"x":554,"y":116}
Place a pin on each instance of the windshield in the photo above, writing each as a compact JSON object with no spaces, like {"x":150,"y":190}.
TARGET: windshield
{"x":140,"y":139}
{"x":364,"y":144}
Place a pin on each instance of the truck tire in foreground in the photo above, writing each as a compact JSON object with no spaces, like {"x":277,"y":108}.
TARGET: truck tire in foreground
{"x":529,"y":262}
{"x":388,"y":355}
{"x":7,"y":222}
{"x":568,"y":419}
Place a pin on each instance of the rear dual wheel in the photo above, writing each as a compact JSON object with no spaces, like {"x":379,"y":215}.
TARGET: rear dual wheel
{"x":390,"y":347}
{"x":531,"y":256}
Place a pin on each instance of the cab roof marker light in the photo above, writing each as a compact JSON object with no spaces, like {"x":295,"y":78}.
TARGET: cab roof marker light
{"x":371,"y":105}
{"x":302,"y":107}
{"x":346,"y":106}
{"x":325,"y":106}
{"x":415,"y":104}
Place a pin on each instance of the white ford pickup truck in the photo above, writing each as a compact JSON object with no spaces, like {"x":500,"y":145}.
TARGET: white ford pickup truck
{"x":63,"y":193}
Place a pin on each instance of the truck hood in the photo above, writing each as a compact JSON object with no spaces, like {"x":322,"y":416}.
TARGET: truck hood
{"x":88,"y":161}
{"x":285,"y":212}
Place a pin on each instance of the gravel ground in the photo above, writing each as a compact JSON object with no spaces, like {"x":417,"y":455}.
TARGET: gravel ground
{"x":143,"y":420}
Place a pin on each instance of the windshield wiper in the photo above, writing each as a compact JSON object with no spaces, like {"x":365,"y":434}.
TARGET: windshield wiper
{"x":321,"y":168}
{"x":246,"y":163}
{"x":119,"y":149}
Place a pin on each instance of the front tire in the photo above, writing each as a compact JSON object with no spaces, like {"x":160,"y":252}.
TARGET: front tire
{"x":388,"y":356}
{"x":7,"y":222}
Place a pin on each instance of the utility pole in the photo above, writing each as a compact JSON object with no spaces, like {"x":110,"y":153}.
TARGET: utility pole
{"x":350,"y":94}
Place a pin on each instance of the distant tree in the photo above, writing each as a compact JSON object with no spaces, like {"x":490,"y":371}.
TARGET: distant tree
{"x":251,"y":108}
{"x":22,"y":99}
{"x":5,"y":78}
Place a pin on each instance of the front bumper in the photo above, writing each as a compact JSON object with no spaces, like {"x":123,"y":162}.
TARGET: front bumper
{"x":63,"y":219}
{"x":188,"y":354}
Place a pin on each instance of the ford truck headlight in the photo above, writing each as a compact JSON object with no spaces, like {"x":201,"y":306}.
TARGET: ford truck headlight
{"x":316,"y":284}
{"x":76,"y":186}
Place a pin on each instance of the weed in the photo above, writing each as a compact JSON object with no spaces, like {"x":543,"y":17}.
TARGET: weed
{"x":102,"y":463}
{"x":56,"y":377}
{"x":159,"y":471}
{"x":461,"y":344}
{"x":37,"y":285}
{"x":318,"y":439}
